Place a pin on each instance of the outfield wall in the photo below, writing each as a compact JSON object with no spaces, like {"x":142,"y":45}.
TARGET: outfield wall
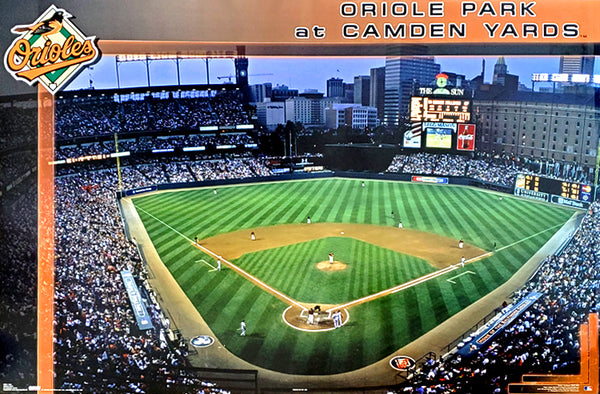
{"x":453,"y":180}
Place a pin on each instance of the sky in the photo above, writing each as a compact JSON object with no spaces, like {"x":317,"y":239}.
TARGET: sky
{"x":296,"y":73}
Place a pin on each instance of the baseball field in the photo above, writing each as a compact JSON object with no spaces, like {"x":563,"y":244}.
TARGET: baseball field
{"x":392,"y":284}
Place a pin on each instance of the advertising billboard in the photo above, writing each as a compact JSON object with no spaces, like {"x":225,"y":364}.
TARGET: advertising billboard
{"x":466,"y":137}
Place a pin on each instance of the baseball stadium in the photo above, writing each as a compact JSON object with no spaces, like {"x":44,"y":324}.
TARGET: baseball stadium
{"x":309,"y":271}
{"x":223,"y":238}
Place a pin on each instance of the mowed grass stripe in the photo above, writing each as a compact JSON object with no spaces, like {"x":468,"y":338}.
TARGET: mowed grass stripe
{"x":219,"y":220}
{"x":427,"y":312}
{"x":306,"y":205}
{"x":339,"y":206}
{"x":441,"y":219}
{"x":497,"y":220}
{"x":465,"y":220}
{"x":493,"y":233}
{"x":311,"y":197}
{"x":237,"y":214}
{"x":331,"y":209}
{"x":279,"y":202}
{"x":353,"y":202}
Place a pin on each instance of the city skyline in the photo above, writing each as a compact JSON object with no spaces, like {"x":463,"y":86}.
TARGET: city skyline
{"x":296,"y":73}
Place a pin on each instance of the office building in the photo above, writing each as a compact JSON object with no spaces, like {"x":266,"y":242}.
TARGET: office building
{"x":402,"y":75}
{"x":377,"y":90}
{"x":270,"y":114}
{"x":335,"y":87}
{"x":576,"y":65}
{"x":353,"y":115}
{"x":362,"y":90}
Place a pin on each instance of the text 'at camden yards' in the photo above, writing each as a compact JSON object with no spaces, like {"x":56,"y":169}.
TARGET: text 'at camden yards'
{"x":457,"y":30}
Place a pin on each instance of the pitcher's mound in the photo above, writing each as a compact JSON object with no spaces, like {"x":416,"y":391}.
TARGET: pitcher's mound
{"x":330,"y":267}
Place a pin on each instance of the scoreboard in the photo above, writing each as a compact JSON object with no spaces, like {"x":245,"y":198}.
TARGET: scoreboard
{"x":447,"y":110}
{"x":553,"y":190}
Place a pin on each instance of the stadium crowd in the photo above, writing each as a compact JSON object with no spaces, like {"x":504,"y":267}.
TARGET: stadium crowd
{"x":544,"y":339}
{"x":18,"y":225}
{"x":14,"y":166}
{"x":146,"y":144}
{"x":18,"y":126}
{"x":98,"y":345}
{"x":96,"y":117}
{"x":497,"y":169}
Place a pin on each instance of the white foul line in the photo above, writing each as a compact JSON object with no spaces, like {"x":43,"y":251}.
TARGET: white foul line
{"x":230,"y":264}
{"x":531,"y":236}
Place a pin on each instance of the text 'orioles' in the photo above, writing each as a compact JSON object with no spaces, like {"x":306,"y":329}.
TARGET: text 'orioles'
{"x":49,"y":53}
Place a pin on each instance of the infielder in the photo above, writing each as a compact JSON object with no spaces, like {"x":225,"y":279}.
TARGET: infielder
{"x":252,"y":236}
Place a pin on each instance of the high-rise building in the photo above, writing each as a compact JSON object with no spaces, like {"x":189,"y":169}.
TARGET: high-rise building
{"x":576,"y":65}
{"x":362,"y":89}
{"x":402,"y":74}
{"x":335,"y":87}
{"x":261,"y":92}
{"x":377,"y":90}
{"x":348,"y":93}
{"x":500,"y":71}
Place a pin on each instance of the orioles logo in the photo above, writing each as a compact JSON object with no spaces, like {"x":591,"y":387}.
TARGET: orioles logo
{"x":51,"y":50}
{"x":402,"y":363}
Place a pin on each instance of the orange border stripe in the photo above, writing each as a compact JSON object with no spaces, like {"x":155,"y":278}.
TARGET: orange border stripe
{"x":45,"y":311}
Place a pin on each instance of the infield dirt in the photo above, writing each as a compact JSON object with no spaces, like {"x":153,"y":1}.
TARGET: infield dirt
{"x":439,"y":251}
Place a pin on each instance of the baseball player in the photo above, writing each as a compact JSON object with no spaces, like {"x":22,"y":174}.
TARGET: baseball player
{"x":218,"y":264}
{"x":337,"y":319}
{"x":400,"y":224}
{"x":253,"y":236}
{"x":308,"y":220}
{"x":330,"y":258}
{"x":311,"y":316}
{"x":462,"y":261}
{"x":461,"y":244}
{"x":243,"y":328}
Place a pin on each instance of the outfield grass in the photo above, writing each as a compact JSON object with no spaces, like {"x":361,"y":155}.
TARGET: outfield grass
{"x":376,"y":328}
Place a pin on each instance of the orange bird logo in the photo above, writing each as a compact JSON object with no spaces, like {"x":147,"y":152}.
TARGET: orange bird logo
{"x":46,"y":27}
